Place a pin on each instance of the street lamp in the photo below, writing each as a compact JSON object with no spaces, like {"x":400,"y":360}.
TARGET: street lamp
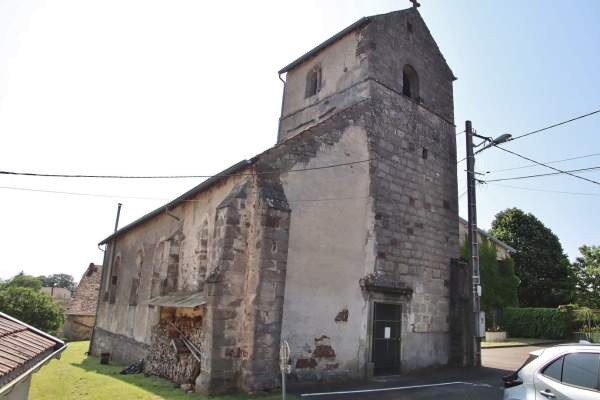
{"x":473,"y":330}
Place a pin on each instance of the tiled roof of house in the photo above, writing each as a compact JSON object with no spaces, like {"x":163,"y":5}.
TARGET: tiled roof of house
{"x":23,"y":349}
{"x":85,"y":296}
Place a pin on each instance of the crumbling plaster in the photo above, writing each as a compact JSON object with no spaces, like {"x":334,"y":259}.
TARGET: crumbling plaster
{"x":328,"y":252}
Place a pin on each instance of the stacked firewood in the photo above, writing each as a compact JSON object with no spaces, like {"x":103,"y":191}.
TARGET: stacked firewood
{"x":170,"y":356}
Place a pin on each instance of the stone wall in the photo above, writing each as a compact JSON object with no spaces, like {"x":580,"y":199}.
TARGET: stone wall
{"x":244,"y":289}
{"x":78,"y":327}
{"x":413,"y":172}
{"x":123,"y":350}
{"x":399,"y":38}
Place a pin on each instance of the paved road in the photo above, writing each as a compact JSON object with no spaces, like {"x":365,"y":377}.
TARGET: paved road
{"x":506,"y":357}
{"x":447,"y":383}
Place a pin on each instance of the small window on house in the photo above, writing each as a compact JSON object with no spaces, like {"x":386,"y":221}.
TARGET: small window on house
{"x":501,"y":268}
{"x":314,"y":81}
{"x":409,"y":27}
{"x":425,"y":153}
{"x":410,"y":83}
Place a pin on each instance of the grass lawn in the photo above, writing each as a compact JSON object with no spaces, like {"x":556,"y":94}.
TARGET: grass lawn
{"x":77,"y":376}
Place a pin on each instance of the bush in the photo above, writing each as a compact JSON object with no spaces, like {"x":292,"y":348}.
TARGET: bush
{"x":546,"y":323}
{"x":32,"y":307}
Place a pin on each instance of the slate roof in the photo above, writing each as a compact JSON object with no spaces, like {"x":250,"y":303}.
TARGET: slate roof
{"x":23,"y":350}
{"x":85,"y":296}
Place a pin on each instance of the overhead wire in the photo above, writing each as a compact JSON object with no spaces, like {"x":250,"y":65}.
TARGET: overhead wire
{"x":549,"y":162}
{"x":553,"y":126}
{"x":187,"y":176}
{"x":545,"y":190}
{"x":547,"y":166}
{"x":546,"y":128}
{"x":541,"y":175}
{"x":34,"y":174}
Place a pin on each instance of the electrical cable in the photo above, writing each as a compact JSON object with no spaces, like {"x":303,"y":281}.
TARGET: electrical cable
{"x":553,"y":126}
{"x":547,"y":166}
{"x":549,"y":162}
{"x":546,"y":128}
{"x":543,"y":190}
{"x":190,"y":176}
{"x":540,"y":175}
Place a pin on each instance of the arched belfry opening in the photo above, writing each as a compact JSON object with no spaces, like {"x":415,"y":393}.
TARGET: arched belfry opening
{"x":314,"y":81}
{"x":410,"y":83}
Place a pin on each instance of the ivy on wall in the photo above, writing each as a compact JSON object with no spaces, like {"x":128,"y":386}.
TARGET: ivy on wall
{"x":498,"y":281}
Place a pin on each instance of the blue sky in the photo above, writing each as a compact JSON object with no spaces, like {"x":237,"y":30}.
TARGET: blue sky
{"x":190,"y":88}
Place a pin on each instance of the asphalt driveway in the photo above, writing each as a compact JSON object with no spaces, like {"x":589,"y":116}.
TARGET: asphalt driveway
{"x":447,"y":383}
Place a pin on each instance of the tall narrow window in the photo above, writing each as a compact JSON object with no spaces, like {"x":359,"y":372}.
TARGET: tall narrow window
{"x":202,"y":251}
{"x":410,"y":83}
{"x":156,"y":288}
{"x":135,"y":282}
{"x":314,"y":81}
{"x":114,"y":280}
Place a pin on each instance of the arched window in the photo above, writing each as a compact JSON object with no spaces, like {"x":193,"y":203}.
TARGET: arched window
{"x":410,"y":83}
{"x":202,"y":251}
{"x":135,"y":282}
{"x":314,"y":81}
{"x":114,"y":279}
{"x":156,"y":288}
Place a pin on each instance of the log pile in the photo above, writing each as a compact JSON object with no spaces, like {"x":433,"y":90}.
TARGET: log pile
{"x":165,"y":360}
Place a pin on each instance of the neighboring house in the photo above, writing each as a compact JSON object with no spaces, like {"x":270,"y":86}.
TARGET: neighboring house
{"x":81,"y":309}
{"x":341,"y":239}
{"x":23,"y":351}
{"x":58,"y":294}
{"x":504,"y":251}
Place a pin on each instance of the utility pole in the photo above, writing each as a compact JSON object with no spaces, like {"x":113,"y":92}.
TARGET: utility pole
{"x":473,"y":338}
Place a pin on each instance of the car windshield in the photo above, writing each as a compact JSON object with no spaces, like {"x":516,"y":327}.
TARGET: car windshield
{"x":513,"y":379}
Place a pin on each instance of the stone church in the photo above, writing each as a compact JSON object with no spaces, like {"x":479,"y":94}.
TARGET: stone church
{"x":340,"y":239}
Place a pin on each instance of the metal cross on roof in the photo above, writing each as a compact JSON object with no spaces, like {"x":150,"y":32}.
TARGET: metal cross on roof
{"x":415,"y":3}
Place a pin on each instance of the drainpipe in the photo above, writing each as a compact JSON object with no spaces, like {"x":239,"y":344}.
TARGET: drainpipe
{"x":102,"y":274}
{"x":281,"y":116}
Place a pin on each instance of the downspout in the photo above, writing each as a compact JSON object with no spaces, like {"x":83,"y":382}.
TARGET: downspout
{"x":102,"y":274}
{"x":281,"y":116}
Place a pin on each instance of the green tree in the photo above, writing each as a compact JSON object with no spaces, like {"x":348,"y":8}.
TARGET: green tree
{"x":59,"y":280}
{"x":498,"y":281}
{"x":547,"y":278}
{"x":22,"y":280}
{"x":32,"y":307}
{"x":588,"y":274}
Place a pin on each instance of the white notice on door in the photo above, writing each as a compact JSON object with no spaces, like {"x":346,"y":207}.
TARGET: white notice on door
{"x":388,"y":332}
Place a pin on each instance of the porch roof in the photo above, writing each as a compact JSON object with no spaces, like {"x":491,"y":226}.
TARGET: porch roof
{"x":179,"y":300}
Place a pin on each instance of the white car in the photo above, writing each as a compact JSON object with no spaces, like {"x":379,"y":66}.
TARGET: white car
{"x":563,"y":372}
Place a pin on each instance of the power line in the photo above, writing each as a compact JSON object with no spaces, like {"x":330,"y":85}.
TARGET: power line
{"x":546,"y":128}
{"x":81,"y":194}
{"x":543,"y":190}
{"x":540,"y":175}
{"x":162,"y":199}
{"x":191,"y":176}
{"x":547,"y":166}
{"x":555,"y":125}
{"x":549,"y":162}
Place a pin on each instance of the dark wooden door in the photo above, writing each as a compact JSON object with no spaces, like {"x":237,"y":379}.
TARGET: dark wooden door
{"x":386,"y":338}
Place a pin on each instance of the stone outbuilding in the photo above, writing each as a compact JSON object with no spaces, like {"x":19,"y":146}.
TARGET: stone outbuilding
{"x":81,"y":310}
{"x":339,"y":240}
